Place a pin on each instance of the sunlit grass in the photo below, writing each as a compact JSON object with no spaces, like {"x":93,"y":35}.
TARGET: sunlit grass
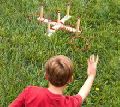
{"x":24,"y":47}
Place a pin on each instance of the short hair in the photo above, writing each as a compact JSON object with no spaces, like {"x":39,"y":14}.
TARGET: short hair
{"x":59,"y":70}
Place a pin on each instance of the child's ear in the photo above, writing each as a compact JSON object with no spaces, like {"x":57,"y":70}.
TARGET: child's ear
{"x":71,"y":79}
{"x":46,"y":76}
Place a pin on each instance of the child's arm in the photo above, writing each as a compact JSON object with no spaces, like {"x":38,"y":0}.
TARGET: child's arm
{"x":91,"y":72}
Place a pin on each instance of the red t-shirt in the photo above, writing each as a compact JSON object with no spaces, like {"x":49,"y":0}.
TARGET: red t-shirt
{"x":33,"y":96}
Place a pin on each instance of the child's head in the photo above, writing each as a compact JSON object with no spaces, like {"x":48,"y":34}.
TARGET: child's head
{"x":59,"y":70}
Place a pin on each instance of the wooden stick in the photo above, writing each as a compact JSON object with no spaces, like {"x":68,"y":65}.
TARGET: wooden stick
{"x":68,"y":9}
{"x":77,"y":26}
{"x":41,"y":12}
{"x":58,"y":20}
{"x":48,"y":26}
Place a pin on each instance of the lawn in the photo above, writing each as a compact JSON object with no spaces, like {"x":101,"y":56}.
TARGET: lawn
{"x":24,"y":47}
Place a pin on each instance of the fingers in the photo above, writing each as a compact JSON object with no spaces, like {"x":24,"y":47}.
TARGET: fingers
{"x":97,"y":59}
{"x":88,"y":61}
{"x":93,"y":58}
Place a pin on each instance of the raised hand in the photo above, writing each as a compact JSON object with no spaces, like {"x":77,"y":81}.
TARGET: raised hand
{"x":92,"y":65}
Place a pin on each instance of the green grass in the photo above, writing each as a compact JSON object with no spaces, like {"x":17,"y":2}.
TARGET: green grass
{"x":24,"y":48}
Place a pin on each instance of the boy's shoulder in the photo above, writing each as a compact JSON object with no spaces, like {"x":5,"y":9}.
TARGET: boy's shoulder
{"x":35,"y":92}
{"x":31,"y":87}
{"x":34,"y":89}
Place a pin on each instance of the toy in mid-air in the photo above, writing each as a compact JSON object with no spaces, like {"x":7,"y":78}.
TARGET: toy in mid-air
{"x":59,"y":24}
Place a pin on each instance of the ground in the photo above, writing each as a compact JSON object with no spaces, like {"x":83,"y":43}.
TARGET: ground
{"x":24,"y":47}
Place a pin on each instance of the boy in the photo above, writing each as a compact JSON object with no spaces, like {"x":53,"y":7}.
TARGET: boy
{"x":59,"y":71}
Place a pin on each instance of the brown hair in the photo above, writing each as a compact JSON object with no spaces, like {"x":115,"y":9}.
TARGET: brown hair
{"x":59,"y":70}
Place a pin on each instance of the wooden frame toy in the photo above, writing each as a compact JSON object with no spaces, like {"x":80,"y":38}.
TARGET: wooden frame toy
{"x":59,"y":24}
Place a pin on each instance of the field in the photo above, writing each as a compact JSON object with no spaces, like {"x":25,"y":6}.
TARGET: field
{"x":24,"y":47}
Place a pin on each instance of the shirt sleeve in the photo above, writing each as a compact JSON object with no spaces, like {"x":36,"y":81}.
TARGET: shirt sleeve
{"x":20,"y":100}
{"x":76,"y":100}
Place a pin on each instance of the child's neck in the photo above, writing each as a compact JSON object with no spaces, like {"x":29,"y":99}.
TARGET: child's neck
{"x":56,"y":90}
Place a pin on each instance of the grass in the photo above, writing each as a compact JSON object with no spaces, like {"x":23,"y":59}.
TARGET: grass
{"x":24,"y":48}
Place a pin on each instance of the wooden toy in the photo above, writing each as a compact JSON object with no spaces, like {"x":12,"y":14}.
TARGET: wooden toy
{"x":59,"y":24}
